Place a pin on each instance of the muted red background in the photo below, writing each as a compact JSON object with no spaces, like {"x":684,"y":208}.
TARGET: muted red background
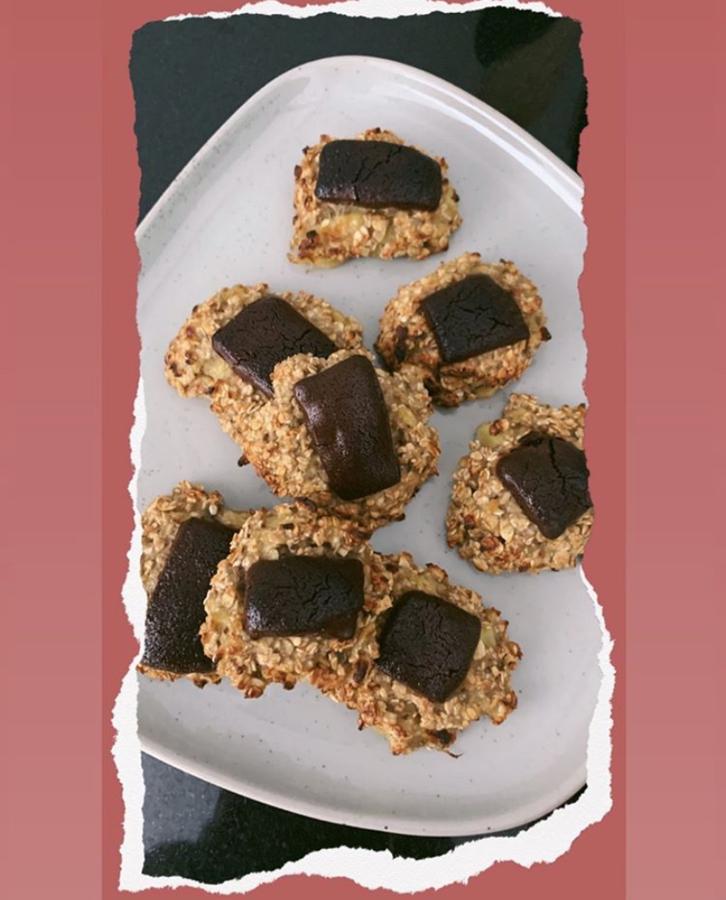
{"x":652,"y":293}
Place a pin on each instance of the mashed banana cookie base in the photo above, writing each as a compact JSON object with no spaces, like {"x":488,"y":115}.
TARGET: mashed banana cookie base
{"x":406,"y":341}
{"x":159,"y":526}
{"x":327,"y":234}
{"x":194,"y":369}
{"x":253,"y":664}
{"x":408,"y":720}
{"x":279,"y":446}
{"x":484,"y":522}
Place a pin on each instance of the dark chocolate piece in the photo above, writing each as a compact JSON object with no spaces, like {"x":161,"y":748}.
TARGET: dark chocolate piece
{"x":176,"y":609}
{"x":263,"y":334}
{"x":303,"y":595}
{"x":376,"y":174}
{"x":348,"y":422}
{"x":473,"y":316}
{"x":428,"y":644}
{"x":548,"y":478}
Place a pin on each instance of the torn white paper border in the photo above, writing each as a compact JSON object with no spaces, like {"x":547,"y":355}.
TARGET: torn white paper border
{"x":543,"y":842}
{"x":369,"y":9}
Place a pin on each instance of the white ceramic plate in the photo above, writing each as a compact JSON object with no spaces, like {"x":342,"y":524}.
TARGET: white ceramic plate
{"x":226,"y":219}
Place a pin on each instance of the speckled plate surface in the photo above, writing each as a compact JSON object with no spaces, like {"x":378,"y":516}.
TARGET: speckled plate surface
{"x":226,"y":219}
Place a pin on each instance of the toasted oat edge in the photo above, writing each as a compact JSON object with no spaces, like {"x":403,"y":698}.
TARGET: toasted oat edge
{"x":402,"y":740}
{"x":194,"y":369}
{"x":251,"y":665}
{"x":477,"y":377}
{"x":162,"y":518}
{"x":386,"y":234}
{"x":523,"y":412}
{"x":269,"y":447}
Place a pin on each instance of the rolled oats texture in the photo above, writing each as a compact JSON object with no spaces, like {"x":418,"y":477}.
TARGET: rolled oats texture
{"x":280,"y":448}
{"x":327,"y":234}
{"x":484,"y":522}
{"x":251,"y":665}
{"x":194,"y":369}
{"x":406,"y":341}
{"x":407,"y":719}
{"x":160,"y":523}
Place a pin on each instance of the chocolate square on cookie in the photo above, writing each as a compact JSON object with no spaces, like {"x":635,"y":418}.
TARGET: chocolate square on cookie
{"x":297,"y":595}
{"x":176,"y":609}
{"x":348,"y":421}
{"x":265,"y":333}
{"x":473,"y":316}
{"x":548,"y":477}
{"x":428,"y":644}
{"x":378,"y":174}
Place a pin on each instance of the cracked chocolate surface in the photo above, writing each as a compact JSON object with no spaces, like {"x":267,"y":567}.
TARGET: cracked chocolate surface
{"x":428,"y":644}
{"x":297,"y":595}
{"x":265,"y":333}
{"x":326,"y":233}
{"x":348,"y":422}
{"x":485,"y":522}
{"x":473,"y":316}
{"x":176,"y":608}
{"x":289,"y":531}
{"x":548,"y":478}
{"x":378,"y":174}
{"x":407,"y":342}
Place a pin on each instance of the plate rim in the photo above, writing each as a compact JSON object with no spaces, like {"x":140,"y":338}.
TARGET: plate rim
{"x":568,"y":185}
{"x":570,"y":182}
{"x":355,"y":819}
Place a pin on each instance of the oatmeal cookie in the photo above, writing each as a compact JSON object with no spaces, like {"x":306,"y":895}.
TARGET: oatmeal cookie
{"x":466,"y":330}
{"x":356,"y":470}
{"x":520,"y":499}
{"x":281,"y":535}
{"x":417,"y":681}
{"x":193,"y":366}
{"x":327,"y":231}
{"x":174,"y":563}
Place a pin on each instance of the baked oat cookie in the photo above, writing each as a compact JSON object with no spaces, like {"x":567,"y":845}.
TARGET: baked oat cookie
{"x":466,"y":330}
{"x":341,"y":192}
{"x":183,"y":537}
{"x":305,"y":618}
{"x":438,"y":661}
{"x":520,"y":500}
{"x":351,"y":439}
{"x":195,"y":368}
